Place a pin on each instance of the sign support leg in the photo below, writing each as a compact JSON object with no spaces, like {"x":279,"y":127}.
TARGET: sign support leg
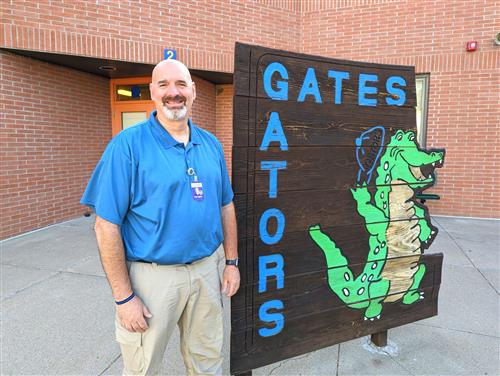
{"x":246,"y":373}
{"x":380,"y":338}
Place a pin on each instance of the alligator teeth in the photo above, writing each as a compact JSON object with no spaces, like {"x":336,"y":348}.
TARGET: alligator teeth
{"x":440,"y":161}
{"x":433,"y":164}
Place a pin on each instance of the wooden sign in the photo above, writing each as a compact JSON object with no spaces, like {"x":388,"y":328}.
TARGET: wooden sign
{"x":325,"y":170}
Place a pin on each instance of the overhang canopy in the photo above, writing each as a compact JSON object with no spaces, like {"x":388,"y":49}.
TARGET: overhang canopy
{"x":115,"y":68}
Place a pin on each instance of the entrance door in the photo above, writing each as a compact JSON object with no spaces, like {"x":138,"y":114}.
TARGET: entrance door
{"x":130,"y":102}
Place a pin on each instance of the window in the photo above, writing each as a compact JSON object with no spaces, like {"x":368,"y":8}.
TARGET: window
{"x":422,"y":89}
{"x":130,"y":102}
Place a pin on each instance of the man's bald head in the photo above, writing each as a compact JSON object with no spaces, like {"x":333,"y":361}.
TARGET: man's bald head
{"x":165,"y":65}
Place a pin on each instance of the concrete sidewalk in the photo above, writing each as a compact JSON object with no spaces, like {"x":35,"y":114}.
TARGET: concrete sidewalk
{"x":57,"y":312}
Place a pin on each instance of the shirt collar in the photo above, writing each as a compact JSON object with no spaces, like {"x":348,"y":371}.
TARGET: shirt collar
{"x":166,"y":139}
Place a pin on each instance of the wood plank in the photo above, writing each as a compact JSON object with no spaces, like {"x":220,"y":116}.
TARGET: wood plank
{"x":331,"y":124}
{"x":307,"y":168}
{"x":241,"y":77}
{"x":303,"y":256}
{"x":297,"y":65}
{"x":302,"y":211}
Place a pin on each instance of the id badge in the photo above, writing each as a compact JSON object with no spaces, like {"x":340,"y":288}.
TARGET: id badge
{"x":197,"y":190}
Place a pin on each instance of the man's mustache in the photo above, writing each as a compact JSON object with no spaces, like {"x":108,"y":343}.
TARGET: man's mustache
{"x":176,"y":98}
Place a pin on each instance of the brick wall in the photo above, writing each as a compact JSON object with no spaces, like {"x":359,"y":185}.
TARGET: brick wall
{"x":204,"y":105}
{"x":202,"y":32}
{"x":464,"y":117}
{"x":55,"y":124}
{"x":464,"y":104}
{"x":224,"y":116}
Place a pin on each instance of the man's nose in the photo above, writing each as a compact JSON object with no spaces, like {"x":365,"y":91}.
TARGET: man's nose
{"x":171,"y":90}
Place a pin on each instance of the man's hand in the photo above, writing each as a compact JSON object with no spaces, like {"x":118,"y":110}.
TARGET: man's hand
{"x":230,"y":280}
{"x":132,"y":315}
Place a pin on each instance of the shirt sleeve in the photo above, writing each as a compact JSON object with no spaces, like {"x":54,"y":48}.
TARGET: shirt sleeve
{"x":109,"y":189}
{"x":227,"y":190}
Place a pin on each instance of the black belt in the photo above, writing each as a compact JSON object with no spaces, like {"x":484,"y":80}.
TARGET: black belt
{"x":149,"y":262}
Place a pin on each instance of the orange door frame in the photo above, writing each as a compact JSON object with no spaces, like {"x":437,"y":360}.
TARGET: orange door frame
{"x":118,"y":107}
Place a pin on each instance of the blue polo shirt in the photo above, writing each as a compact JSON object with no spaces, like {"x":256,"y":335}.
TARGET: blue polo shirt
{"x":142,"y":184}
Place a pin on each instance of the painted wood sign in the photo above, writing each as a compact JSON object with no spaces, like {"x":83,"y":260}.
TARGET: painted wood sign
{"x":325,"y":170}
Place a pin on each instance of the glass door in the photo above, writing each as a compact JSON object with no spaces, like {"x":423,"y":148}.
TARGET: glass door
{"x":130,"y":102}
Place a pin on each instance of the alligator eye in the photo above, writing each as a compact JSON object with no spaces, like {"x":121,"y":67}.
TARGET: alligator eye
{"x":361,"y":291}
{"x":376,"y":250}
{"x":374,"y":265}
{"x":399,"y":137}
{"x":386,"y":165}
{"x":345,"y":291}
{"x":363,"y":278}
{"x":346,"y":276}
{"x":411,"y":137}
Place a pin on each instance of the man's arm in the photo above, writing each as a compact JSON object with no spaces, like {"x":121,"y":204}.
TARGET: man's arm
{"x":231,"y":276}
{"x":110,"y":243}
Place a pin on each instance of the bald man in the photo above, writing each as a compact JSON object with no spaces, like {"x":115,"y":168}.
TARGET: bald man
{"x":164,"y":211}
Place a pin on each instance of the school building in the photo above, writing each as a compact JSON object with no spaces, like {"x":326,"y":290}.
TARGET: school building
{"x":74,"y":73}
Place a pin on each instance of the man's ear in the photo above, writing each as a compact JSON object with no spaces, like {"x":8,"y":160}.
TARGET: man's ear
{"x":151,"y":89}
{"x":194,"y":90}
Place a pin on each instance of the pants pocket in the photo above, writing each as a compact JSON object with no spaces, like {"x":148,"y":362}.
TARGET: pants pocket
{"x":132,"y":350}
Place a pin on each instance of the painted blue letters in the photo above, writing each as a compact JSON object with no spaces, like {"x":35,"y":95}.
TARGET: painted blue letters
{"x":273,"y":167}
{"x":282,"y":93}
{"x":389,"y":85}
{"x":274,"y":132}
{"x":277,"y":318}
{"x":339,"y":76}
{"x":363,"y":89}
{"x":274,"y":271}
{"x":310,"y":87}
{"x":280,"y":218}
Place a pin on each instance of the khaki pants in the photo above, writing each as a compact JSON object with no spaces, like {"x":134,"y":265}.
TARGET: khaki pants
{"x":184,"y":295}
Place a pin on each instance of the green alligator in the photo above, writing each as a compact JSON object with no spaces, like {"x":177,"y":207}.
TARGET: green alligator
{"x":399,"y":230}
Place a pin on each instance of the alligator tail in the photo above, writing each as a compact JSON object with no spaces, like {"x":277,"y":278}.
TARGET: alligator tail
{"x":340,"y":276}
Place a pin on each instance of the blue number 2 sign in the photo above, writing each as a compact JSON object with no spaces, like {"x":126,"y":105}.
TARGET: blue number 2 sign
{"x":169,"y":54}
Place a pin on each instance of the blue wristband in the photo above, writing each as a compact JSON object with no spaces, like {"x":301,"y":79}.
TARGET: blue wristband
{"x":126,"y":300}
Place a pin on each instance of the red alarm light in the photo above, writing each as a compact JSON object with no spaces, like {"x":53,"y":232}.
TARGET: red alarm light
{"x":471,"y":46}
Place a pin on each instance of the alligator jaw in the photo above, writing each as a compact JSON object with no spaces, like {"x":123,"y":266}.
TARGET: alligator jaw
{"x":418,"y":174}
{"x":424,"y":172}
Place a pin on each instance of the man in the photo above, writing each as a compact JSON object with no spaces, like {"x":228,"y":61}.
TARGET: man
{"x":163,"y":205}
